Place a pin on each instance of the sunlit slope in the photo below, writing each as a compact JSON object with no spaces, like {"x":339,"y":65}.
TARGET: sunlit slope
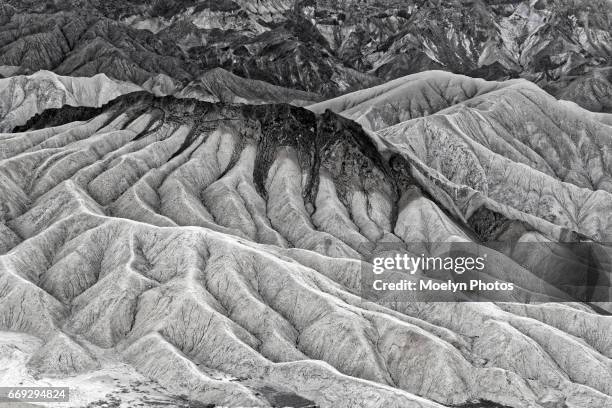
{"x":22,"y":97}
{"x":510,"y":142}
{"x":406,"y":98}
{"x":216,"y":248}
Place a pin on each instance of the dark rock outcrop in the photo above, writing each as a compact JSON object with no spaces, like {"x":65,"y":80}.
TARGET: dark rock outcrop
{"x":323,"y":47}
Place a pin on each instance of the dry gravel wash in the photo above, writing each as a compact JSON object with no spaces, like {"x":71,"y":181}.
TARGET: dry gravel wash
{"x":215,"y":249}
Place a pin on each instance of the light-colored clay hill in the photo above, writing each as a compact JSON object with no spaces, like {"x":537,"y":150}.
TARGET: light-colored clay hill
{"x":406,"y":98}
{"x":216,"y":249}
{"x":497,"y":141}
{"x":219,"y":85}
{"x":22,"y":97}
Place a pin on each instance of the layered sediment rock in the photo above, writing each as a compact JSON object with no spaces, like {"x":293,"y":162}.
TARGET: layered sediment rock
{"x":324,"y":47}
{"x":22,"y":97}
{"x":217,"y":248}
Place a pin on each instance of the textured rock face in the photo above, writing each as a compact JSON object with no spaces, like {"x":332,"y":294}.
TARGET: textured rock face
{"x":219,"y":85}
{"x":22,"y":97}
{"x":558,"y":140}
{"x":407,"y":98}
{"x":177,"y":229}
{"x":553,"y":43}
{"x":324,"y":47}
{"x":499,"y":139}
{"x":80,"y":41}
{"x":216,"y":248}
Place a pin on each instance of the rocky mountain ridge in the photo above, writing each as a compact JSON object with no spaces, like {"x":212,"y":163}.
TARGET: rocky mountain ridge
{"x":323,"y":47}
